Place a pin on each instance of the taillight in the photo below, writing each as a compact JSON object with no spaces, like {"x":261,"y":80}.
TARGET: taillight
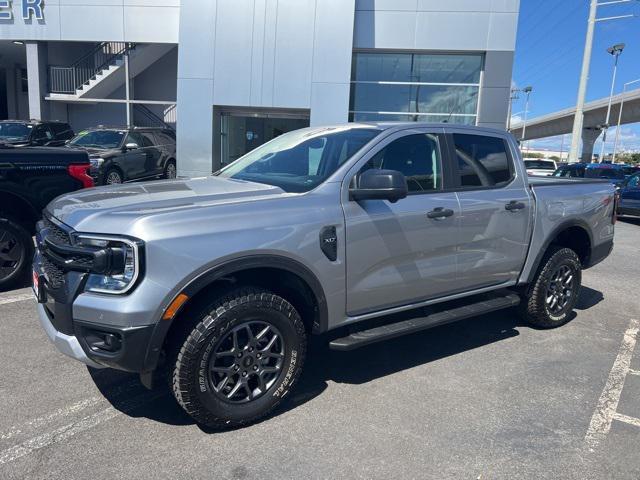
{"x":80,"y":171}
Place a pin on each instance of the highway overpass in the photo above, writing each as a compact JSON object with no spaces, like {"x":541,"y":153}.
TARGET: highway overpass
{"x":595,"y":114}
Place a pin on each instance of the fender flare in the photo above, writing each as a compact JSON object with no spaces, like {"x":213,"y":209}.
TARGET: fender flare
{"x":202,"y":280}
{"x":552,"y":236}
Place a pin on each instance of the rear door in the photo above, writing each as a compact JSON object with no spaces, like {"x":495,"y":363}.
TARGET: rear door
{"x":496,"y":209}
{"x":396,"y":254}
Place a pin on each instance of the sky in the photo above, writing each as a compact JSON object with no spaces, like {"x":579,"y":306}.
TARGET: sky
{"x":549,"y":49}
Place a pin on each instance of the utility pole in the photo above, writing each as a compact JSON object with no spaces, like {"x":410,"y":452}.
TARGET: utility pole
{"x":576,"y":135}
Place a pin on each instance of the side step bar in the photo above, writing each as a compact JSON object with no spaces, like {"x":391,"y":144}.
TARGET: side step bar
{"x":476,"y":306}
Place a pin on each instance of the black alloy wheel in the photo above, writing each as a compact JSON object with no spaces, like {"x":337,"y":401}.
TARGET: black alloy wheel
{"x":559,"y":289}
{"x":246,"y":362}
{"x":16,"y":252}
{"x":11,"y":253}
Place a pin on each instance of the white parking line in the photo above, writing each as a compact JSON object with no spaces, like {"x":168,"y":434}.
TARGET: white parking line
{"x":608,"y":403}
{"x":626,"y":419}
{"x":67,"y":431}
{"x":16,"y":298}
{"x":46,"y":419}
{"x":55,"y":436}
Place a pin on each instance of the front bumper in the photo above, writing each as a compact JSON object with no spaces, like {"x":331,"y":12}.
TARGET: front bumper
{"x":97,"y":330}
{"x":67,"y":344}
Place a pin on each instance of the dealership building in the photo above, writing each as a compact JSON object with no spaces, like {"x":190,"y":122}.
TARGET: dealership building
{"x":229,"y":75}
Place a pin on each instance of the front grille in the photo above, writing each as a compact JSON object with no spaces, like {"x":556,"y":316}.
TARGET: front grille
{"x":54,"y":232}
{"x":54,"y":274}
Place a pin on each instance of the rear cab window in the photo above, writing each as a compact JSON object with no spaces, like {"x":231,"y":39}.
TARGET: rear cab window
{"x":481,"y":161}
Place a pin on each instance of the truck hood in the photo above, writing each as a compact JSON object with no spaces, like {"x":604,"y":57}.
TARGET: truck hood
{"x":98,"y":209}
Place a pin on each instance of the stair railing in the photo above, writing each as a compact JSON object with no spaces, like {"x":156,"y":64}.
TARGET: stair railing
{"x":82,"y":71}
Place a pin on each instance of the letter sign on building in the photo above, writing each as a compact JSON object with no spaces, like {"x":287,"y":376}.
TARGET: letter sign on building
{"x":30,"y":9}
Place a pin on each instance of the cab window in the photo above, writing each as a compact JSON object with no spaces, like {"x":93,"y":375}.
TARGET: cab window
{"x":482,"y":161}
{"x":417,"y":157}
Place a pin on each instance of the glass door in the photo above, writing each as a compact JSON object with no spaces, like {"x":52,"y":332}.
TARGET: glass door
{"x":241,"y":131}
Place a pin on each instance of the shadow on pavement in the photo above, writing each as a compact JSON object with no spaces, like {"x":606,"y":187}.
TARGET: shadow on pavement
{"x":323,"y":365}
{"x":631,"y":220}
{"x":588,"y":298}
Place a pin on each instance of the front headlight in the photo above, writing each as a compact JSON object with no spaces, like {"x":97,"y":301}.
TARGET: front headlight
{"x":96,"y":162}
{"x":123,"y":265}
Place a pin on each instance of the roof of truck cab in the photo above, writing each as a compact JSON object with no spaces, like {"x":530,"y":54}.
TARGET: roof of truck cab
{"x":406,"y":125}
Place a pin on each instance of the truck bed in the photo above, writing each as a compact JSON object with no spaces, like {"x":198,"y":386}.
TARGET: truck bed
{"x":535,"y":181}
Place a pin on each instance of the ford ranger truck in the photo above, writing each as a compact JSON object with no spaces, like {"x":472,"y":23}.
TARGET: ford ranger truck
{"x":357,"y":232}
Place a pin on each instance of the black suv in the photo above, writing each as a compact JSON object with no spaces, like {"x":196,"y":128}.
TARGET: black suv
{"x":121,"y":154}
{"x":23,"y":133}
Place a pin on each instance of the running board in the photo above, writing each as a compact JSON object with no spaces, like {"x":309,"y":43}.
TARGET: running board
{"x":486,"y":303}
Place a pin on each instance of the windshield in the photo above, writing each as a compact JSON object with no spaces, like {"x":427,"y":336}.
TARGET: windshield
{"x":99,"y":139}
{"x":613,"y":173}
{"x":299,"y":161}
{"x":15,"y":131}
{"x":540,"y":164}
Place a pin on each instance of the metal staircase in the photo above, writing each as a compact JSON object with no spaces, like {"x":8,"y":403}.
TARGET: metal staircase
{"x":102,"y":61}
{"x":101,"y":72}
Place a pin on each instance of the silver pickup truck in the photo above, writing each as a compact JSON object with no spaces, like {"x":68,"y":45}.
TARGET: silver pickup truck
{"x":357,"y":232}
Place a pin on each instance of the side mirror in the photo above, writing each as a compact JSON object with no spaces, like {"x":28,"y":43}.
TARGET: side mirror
{"x":131,"y":146}
{"x":378,"y":184}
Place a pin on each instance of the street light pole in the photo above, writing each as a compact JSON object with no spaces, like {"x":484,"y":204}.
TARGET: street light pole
{"x":616,"y":51}
{"x":615,"y":143}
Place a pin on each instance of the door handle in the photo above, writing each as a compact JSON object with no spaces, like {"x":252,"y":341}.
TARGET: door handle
{"x":514,"y":205}
{"x":439,"y":213}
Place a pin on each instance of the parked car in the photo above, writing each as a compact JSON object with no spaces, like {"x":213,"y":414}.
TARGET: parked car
{"x":120,"y":155}
{"x":540,"y":166}
{"x":24,"y":133}
{"x":216,"y":283}
{"x":612,"y":172}
{"x":629,"y":202}
{"x":629,"y":170}
{"x":29,"y":179}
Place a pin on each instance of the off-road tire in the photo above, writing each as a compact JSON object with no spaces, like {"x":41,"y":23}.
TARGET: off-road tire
{"x":190,"y":376}
{"x":22,"y":244}
{"x":534,"y":307}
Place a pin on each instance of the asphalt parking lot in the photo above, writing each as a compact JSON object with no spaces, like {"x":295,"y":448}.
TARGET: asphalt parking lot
{"x":485,"y":398}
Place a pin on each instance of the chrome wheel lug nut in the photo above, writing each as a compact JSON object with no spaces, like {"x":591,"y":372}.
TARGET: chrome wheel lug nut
{"x":236,"y":368}
{"x":259,"y":355}
{"x":244,"y":374}
{"x":255,"y":367}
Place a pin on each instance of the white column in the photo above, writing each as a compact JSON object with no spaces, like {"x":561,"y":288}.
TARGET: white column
{"x":37,"y":79}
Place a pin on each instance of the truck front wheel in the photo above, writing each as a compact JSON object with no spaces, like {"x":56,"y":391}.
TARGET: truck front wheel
{"x":550,"y":299}
{"x":241,"y":359}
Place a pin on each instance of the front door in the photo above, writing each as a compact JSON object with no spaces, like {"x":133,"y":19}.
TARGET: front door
{"x":134,"y":160}
{"x":495,"y":224}
{"x":396,"y":252}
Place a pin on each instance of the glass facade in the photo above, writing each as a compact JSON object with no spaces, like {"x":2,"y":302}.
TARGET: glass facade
{"x":415,"y":87}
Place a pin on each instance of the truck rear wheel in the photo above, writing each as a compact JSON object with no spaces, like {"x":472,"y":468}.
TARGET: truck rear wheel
{"x":553,"y":294}
{"x":241,"y":359}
